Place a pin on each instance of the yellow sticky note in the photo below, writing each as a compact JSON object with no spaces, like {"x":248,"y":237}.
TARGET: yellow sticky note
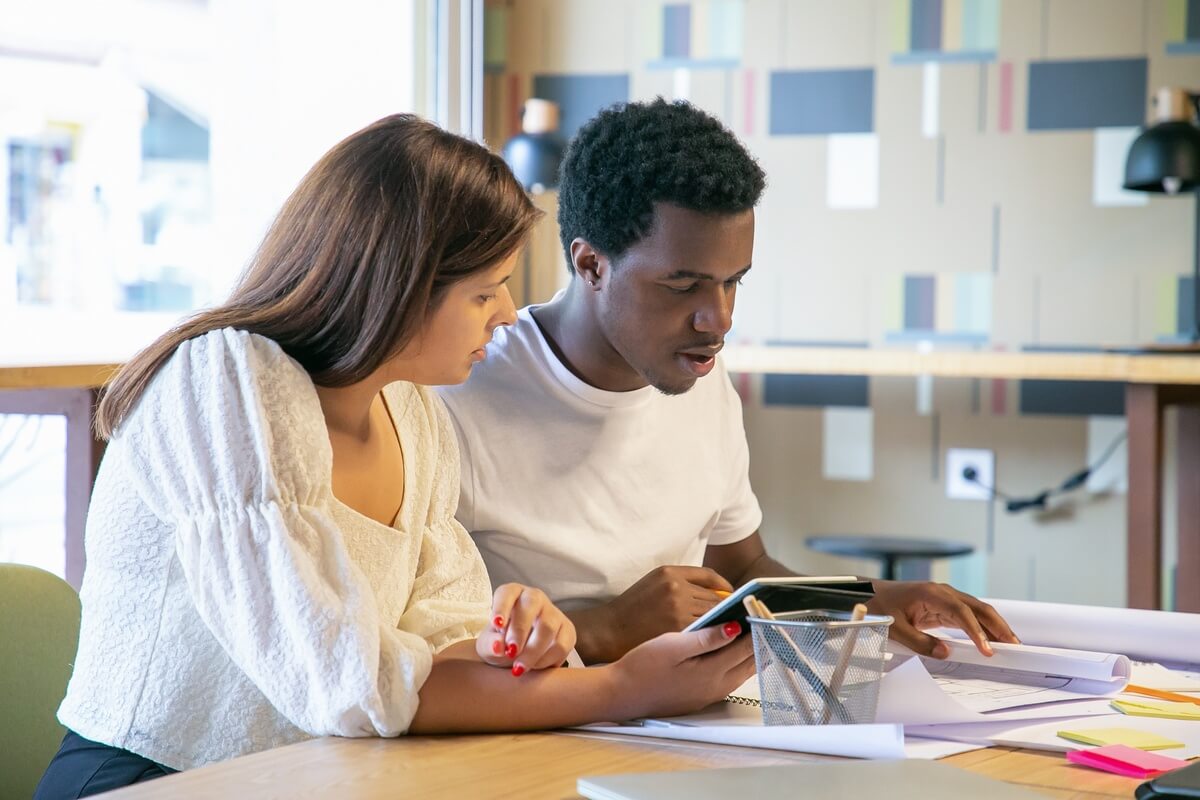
{"x":1164,"y":709}
{"x":1142,"y":740}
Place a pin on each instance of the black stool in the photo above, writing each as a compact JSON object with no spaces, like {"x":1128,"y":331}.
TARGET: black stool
{"x":890,"y":550}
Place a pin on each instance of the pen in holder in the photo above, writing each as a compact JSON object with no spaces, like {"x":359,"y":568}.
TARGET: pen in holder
{"x":819,"y":666}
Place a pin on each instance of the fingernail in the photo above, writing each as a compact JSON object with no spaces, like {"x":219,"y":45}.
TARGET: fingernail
{"x":498,"y":621}
{"x":497,"y":647}
{"x":511,"y":650}
{"x":518,"y":670}
{"x":731,"y":629}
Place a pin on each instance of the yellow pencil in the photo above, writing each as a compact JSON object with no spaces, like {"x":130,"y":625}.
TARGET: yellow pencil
{"x":1162,"y":695}
{"x":839,"y":673}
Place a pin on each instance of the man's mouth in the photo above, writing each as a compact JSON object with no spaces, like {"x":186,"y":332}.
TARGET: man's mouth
{"x":699,"y":360}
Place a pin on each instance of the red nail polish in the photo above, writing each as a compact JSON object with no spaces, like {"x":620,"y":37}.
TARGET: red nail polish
{"x":511,"y":650}
{"x":498,"y":621}
{"x":497,"y":647}
{"x":518,"y":670}
{"x":731,"y":629}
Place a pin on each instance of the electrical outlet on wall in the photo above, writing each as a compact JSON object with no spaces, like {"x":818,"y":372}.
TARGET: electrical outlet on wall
{"x":983,"y":462}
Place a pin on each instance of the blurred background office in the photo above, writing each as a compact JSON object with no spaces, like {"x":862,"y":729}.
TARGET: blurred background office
{"x":943,"y":175}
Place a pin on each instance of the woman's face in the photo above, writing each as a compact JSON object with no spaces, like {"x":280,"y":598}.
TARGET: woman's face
{"x":456,"y":333}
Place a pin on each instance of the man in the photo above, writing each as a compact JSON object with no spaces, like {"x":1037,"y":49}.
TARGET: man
{"x":604,"y":457}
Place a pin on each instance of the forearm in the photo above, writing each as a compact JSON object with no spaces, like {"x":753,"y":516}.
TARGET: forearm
{"x":596,"y":642}
{"x":466,"y":696}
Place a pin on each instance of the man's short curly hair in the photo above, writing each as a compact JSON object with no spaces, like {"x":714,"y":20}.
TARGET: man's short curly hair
{"x":633,"y":155}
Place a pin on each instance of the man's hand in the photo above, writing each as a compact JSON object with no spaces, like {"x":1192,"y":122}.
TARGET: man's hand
{"x":665,"y":600}
{"x":917,"y":605}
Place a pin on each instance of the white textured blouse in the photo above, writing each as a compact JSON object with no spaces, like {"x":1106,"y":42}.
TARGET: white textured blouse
{"x":231,"y":603}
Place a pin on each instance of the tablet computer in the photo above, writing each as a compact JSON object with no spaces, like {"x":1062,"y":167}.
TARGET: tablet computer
{"x":794,"y":593}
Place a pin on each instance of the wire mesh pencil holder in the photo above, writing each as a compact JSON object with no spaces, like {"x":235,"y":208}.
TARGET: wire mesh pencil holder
{"x":819,"y":667}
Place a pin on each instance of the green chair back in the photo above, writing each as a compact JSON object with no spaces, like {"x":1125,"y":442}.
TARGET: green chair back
{"x":39,"y":632}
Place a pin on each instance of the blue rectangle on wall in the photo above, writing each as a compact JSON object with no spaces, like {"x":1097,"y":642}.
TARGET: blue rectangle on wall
{"x":677,"y":31}
{"x":823,"y":101}
{"x":581,"y":97}
{"x":1185,"y":302}
{"x":1074,"y":95}
{"x":1072,"y":398}
{"x":816,"y":390}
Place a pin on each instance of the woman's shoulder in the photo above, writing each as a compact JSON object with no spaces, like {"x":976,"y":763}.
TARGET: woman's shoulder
{"x":232,"y":348}
{"x":222,"y":375}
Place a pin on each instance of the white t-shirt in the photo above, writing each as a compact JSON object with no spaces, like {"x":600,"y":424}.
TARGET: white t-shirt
{"x":231,"y":603}
{"x":580,"y":491}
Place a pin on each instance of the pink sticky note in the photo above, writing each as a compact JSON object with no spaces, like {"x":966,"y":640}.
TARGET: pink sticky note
{"x":1125,"y":760}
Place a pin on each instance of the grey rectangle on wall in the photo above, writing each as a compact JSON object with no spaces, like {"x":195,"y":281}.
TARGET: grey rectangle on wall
{"x":816,"y":390}
{"x":1193,"y":20}
{"x":1075,"y":95}
{"x":580,"y":97}
{"x":1073,"y":398}
{"x":919,"y":296}
{"x":1185,"y":302}
{"x":926,"y":22}
{"x":818,"y":102}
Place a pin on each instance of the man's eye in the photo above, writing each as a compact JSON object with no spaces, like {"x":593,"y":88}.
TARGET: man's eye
{"x":735,"y":281}
{"x":691,"y":287}
{"x":486,"y":298}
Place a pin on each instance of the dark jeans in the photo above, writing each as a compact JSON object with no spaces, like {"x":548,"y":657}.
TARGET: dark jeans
{"x":82,"y":767}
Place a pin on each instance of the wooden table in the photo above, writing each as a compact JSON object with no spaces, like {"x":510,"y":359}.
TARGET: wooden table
{"x":539,"y":765}
{"x":1152,"y":383}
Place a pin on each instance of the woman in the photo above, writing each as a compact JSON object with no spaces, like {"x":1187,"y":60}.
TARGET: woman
{"x":272,"y":550}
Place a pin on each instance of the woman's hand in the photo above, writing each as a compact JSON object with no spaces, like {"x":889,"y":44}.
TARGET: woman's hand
{"x":527,"y":631}
{"x":677,"y":673}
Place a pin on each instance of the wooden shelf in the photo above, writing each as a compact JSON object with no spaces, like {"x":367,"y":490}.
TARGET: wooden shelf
{"x":1128,"y":368}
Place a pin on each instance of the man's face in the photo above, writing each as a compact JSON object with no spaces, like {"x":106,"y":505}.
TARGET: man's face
{"x":667,"y":303}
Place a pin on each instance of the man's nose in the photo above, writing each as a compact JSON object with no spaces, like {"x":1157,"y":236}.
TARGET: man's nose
{"x":716,"y":316}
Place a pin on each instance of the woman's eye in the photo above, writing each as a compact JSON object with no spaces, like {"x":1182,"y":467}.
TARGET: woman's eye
{"x":486,"y":298}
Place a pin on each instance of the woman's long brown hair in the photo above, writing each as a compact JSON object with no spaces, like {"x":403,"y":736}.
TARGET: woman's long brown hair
{"x":360,"y":253}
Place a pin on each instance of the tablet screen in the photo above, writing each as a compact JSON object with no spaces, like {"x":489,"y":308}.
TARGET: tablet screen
{"x":782,"y":595}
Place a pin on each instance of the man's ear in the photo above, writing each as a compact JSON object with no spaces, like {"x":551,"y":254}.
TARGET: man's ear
{"x":586,"y":262}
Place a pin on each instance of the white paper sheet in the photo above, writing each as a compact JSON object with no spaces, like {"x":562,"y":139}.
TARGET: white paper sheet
{"x":1156,"y":676}
{"x":855,"y":741}
{"x":1108,"y":168}
{"x":908,"y":694}
{"x":847,"y":444}
{"x":1023,"y":675}
{"x":852,"y":179}
{"x":1168,"y":637}
{"x":1044,"y":735}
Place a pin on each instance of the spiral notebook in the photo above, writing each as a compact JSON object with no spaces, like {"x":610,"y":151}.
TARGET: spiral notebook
{"x":748,"y":694}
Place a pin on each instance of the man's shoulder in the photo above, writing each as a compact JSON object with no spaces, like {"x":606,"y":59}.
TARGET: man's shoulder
{"x":514,"y":361}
